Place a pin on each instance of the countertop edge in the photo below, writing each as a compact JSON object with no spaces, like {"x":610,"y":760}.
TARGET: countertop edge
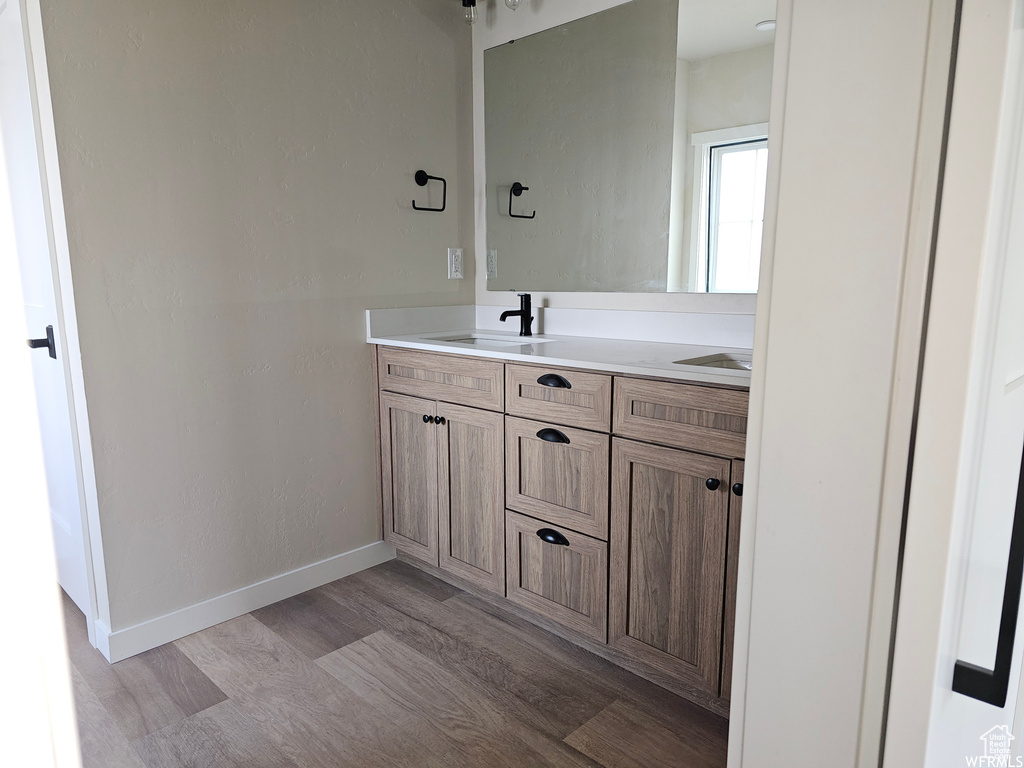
{"x":684,"y":373}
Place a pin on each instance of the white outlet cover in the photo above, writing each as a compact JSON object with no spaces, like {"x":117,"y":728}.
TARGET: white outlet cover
{"x":454,"y":263}
{"x":492,"y":263}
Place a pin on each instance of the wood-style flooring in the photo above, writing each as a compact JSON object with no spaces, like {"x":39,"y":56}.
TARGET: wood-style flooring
{"x":389,"y":667}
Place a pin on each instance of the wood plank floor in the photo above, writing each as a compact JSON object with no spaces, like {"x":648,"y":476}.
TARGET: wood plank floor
{"x":389,"y":667}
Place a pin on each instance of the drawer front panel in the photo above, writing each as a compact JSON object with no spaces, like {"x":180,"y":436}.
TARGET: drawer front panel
{"x":561,"y":396}
{"x":566,"y":582}
{"x":451,"y":379}
{"x":564,"y":482}
{"x":681,"y":415}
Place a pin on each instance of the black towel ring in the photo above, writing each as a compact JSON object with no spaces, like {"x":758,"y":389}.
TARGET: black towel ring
{"x":422,"y":177}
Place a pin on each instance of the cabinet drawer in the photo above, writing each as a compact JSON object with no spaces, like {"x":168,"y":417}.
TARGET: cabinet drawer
{"x":557,"y":474}
{"x":566,"y":582}
{"x":562,"y":396}
{"x":451,"y":379}
{"x":681,"y":415}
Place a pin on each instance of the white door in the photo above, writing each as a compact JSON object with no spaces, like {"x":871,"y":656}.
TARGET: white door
{"x":967,"y":465}
{"x":35,"y":256}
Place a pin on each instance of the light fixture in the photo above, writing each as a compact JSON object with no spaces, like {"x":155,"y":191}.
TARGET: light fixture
{"x":765,"y":26}
{"x":512,"y":4}
{"x":469,"y":6}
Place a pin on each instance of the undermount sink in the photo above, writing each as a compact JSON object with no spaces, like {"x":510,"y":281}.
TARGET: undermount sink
{"x":479,"y":339}
{"x":739,"y":361}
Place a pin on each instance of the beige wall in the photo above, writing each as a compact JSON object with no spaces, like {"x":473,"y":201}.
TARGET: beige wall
{"x":729,"y":90}
{"x":238,"y":177}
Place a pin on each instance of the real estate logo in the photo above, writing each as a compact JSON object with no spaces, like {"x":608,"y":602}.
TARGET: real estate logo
{"x":996,"y":750}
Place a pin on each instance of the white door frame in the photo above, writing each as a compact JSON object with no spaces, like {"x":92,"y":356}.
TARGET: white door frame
{"x":67,"y":319}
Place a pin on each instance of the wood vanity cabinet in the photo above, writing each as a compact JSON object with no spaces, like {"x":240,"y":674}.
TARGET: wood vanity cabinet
{"x":442,"y":493}
{"x":605,"y":508}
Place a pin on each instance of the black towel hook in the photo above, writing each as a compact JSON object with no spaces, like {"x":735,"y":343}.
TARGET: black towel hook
{"x":422,"y":177}
{"x":517,"y":189}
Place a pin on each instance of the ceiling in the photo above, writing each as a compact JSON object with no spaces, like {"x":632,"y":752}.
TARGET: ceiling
{"x":712,"y":27}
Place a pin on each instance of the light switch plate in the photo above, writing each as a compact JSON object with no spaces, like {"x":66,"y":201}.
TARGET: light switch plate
{"x":454,"y":263}
{"x":492,"y":263}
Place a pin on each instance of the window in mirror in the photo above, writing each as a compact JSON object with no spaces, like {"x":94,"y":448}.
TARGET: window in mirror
{"x":730,"y":257}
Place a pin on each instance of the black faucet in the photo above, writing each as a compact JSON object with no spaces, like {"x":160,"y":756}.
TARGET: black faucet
{"x":525,"y":318}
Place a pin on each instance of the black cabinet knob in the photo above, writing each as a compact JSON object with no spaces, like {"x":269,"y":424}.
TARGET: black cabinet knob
{"x":712,"y":483}
{"x":441,"y":420}
{"x":738,"y":489}
{"x":428,"y":419}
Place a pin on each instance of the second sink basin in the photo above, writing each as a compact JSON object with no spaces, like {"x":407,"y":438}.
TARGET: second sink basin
{"x":739,"y":361}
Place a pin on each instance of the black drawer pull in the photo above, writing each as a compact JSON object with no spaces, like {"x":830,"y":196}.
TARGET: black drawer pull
{"x":549,"y":435}
{"x":712,"y":483}
{"x":554,"y":380}
{"x":737,"y":488}
{"x":428,"y":419}
{"x":551,"y":536}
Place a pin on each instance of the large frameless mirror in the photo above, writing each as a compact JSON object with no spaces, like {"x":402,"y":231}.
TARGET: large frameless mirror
{"x":627,"y":150}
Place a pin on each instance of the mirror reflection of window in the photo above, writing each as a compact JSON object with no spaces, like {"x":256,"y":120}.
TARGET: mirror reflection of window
{"x":735,"y":216}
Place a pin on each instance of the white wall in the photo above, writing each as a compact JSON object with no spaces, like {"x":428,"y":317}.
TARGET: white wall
{"x":237,"y":180}
{"x":827,"y":336}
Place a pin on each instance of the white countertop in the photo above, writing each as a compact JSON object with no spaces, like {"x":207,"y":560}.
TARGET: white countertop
{"x":644,"y":358}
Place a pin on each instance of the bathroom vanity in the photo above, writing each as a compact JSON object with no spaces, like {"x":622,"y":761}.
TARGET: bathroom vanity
{"x":586,"y":481}
{"x":591,"y":498}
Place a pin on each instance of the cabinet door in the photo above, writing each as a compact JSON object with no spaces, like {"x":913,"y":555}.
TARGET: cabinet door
{"x":668,"y":552}
{"x":732,"y":559}
{"x":408,"y":439}
{"x":471,"y":492}
{"x":557,"y":474}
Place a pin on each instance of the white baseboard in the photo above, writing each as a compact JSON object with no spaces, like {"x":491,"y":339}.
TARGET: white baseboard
{"x":130,"y":641}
